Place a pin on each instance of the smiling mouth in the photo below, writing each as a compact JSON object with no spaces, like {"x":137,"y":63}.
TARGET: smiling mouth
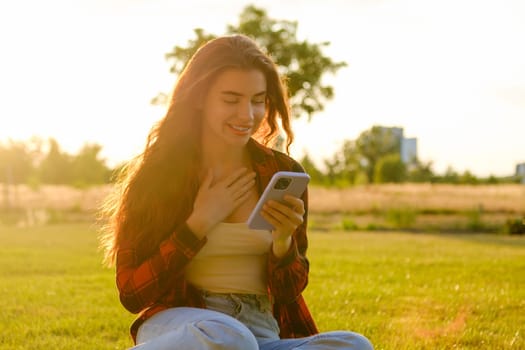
{"x":240,"y":128}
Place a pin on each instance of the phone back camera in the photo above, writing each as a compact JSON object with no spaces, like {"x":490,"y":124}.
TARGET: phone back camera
{"x":282,"y":183}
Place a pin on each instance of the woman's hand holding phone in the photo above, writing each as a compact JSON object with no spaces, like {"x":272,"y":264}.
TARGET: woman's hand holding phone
{"x":285,"y":218}
{"x":280,"y":208}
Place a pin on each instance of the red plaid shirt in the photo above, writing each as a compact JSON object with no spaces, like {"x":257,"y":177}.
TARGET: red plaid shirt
{"x":158,"y":283}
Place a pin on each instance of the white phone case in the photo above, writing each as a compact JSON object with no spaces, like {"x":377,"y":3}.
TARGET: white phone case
{"x":297,"y":183}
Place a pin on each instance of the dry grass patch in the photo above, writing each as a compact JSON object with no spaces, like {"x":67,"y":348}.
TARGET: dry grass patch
{"x":427,"y":207}
{"x":421,"y":197}
{"x":56,"y":197}
{"x":431,"y":197}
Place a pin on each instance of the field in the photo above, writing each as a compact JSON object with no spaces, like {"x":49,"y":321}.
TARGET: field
{"x":509,"y":198}
{"x":402,"y":290}
{"x":413,"y":207}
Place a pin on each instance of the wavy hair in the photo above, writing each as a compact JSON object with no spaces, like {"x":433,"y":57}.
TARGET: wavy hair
{"x":155,"y":190}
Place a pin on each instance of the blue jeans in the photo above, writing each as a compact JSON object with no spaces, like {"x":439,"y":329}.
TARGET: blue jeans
{"x":233,"y":322}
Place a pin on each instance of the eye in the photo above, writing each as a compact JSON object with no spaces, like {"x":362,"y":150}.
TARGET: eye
{"x":231,"y":101}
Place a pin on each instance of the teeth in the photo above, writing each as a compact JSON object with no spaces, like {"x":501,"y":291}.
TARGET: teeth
{"x":240,"y":128}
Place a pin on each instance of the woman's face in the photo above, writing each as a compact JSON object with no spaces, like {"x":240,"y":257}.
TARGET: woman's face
{"x":234,"y":107}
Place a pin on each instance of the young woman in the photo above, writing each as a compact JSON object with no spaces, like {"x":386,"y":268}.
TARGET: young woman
{"x":185,"y":258}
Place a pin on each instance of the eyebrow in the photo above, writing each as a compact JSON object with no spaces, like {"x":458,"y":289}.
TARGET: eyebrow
{"x":234,"y":93}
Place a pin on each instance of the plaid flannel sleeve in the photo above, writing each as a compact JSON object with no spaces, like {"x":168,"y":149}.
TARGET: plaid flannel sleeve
{"x":288,"y":275}
{"x":142,"y":283}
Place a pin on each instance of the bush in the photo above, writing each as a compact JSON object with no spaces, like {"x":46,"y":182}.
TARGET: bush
{"x":401,"y":217}
{"x":349,"y":225}
{"x":474,"y":222}
{"x":390,"y":169}
{"x":515,"y":226}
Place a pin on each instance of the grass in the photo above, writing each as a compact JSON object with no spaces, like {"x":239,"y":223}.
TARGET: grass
{"x":403,"y":291}
{"x":54,"y":293}
{"x":420,"y":291}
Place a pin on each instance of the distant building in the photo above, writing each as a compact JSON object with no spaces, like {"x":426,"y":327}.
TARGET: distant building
{"x":396,"y":131}
{"x":520,"y":172}
{"x":408,"y":150}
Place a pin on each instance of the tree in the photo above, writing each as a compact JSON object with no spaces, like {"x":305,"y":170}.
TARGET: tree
{"x":389,"y":168}
{"x":88,"y":168}
{"x":450,"y":176}
{"x":301,"y":62}
{"x":56,"y":166}
{"x":468,"y":178}
{"x":333,"y":170}
{"x":374,"y":144}
{"x":316,"y":176}
{"x":343,"y":168}
{"x":420,"y":172}
{"x":351,"y":166}
{"x":16,"y":166}
{"x":16,"y":163}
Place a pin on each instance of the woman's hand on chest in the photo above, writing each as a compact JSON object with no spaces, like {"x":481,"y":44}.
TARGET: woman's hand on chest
{"x":217,"y":201}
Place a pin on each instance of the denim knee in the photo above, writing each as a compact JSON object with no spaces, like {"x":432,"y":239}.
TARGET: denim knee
{"x":196,"y":329}
{"x":361,"y":342}
{"x":344,"y":339}
{"x":225,"y":336}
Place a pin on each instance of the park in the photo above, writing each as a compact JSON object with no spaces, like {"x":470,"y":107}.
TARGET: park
{"x":415,"y":242}
{"x":403,"y":288}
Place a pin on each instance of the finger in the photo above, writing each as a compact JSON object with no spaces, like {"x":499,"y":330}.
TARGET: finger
{"x":284,"y":214}
{"x":231,"y":179}
{"x":208,"y":179}
{"x":296,"y":203}
{"x":279,"y":221}
{"x":245,"y":182}
{"x":286,"y":209}
{"x":246,"y":188}
{"x":241,"y":198}
{"x":270,"y":219}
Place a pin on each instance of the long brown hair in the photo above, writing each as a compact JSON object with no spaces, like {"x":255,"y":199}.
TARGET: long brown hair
{"x":155,"y":190}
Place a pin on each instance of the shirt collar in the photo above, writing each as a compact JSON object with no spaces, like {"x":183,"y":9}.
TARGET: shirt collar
{"x":258,"y":152}
{"x":263,"y":162}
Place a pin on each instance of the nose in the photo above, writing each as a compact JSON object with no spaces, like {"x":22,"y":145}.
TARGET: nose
{"x":246,"y":112}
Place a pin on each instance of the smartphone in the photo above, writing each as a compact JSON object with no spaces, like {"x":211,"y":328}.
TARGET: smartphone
{"x":282,"y":183}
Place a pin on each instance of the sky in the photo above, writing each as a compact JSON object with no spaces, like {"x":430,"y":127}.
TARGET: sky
{"x":450,"y":72}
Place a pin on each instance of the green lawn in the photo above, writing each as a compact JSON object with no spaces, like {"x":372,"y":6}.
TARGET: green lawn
{"x":403,"y":291}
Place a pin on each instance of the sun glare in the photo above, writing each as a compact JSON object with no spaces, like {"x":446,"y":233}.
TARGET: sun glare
{"x":437,"y":69}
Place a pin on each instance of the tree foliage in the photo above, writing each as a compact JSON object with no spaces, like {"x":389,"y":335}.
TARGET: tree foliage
{"x":26,"y":162}
{"x":16,"y":163}
{"x":389,"y":168}
{"x":302,"y":63}
{"x":316,"y":176}
{"x":374,"y":157}
{"x":420,"y":172}
{"x":36,"y":162}
{"x":373,"y":144}
{"x":56,"y":166}
{"x":88,"y":168}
